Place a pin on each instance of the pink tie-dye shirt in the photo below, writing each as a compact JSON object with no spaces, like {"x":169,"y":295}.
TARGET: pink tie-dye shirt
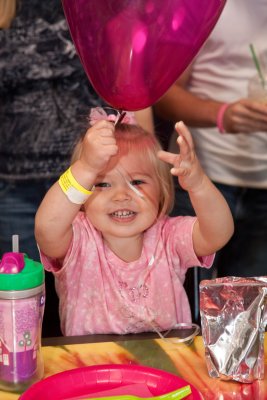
{"x":100,"y":293}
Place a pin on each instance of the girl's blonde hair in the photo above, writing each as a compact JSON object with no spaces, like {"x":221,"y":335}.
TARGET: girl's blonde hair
{"x":134,"y":138}
{"x":7,"y":13}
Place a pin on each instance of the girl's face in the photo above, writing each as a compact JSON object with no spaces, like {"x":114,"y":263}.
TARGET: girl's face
{"x":115,"y":208}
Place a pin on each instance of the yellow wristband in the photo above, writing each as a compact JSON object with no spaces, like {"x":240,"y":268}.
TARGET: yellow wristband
{"x":76,"y":193}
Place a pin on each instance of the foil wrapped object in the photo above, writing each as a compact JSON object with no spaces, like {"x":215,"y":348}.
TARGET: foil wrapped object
{"x":233,"y":318}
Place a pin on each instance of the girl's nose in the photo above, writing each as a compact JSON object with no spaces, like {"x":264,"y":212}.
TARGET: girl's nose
{"x":122,"y":193}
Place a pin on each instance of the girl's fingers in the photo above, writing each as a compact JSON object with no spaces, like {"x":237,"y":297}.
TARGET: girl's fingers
{"x":168,"y":157}
{"x":182,"y":130}
{"x":102,"y":128}
{"x":184,"y":149}
{"x":106,"y":141}
{"x":104,"y":124}
{"x":180,"y":171}
{"x":106,"y":133}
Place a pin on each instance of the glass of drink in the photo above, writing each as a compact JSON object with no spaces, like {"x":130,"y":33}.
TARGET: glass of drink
{"x":257,"y":89}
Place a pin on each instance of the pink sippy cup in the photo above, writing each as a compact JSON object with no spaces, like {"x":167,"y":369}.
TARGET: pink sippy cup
{"x":22,"y":298}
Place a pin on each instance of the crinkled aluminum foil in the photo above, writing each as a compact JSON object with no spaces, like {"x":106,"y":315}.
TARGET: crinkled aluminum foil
{"x":233,"y":318}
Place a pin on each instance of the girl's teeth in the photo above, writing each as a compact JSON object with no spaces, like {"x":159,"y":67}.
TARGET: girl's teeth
{"x":123,"y":214}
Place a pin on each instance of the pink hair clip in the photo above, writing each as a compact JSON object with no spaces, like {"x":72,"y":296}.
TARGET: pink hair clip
{"x":99,"y":113}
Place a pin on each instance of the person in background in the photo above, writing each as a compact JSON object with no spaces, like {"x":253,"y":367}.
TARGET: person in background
{"x":44,"y":97}
{"x":229,"y":131}
{"x":103,"y":230}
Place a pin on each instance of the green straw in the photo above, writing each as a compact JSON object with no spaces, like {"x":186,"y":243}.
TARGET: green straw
{"x":178,"y":394}
{"x":257,"y":64}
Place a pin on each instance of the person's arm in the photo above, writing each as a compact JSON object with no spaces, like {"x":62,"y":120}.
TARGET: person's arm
{"x":145,"y":119}
{"x":53,"y":221}
{"x":179,"y":104}
{"x":241,"y":116}
{"x":214,"y":225}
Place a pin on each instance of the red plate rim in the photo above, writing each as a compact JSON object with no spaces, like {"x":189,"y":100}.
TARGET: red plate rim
{"x":96,"y":378}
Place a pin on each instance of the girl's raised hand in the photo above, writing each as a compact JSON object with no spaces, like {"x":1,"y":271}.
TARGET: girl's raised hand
{"x":99,"y":144}
{"x":185,"y":164}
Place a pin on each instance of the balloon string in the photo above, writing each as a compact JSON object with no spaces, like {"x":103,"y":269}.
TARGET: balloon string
{"x":120,"y":118}
{"x":128,"y":182}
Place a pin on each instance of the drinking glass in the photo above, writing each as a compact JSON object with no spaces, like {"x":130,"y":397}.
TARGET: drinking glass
{"x":257,"y":89}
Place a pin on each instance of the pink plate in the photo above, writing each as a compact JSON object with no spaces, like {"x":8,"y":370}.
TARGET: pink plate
{"x":106,"y":380}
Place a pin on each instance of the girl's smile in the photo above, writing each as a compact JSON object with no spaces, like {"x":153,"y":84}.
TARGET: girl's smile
{"x":123,"y":215}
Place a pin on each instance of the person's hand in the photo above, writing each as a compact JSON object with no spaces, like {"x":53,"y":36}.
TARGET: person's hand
{"x":245,"y":116}
{"x":185,"y":164}
{"x":99,"y":144}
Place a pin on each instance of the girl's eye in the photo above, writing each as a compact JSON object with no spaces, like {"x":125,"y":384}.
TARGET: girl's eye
{"x":137,"y":182}
{"x":102,"y":185}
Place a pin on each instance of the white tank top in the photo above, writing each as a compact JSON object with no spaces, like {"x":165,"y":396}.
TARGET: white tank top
{"x":221,"y":72}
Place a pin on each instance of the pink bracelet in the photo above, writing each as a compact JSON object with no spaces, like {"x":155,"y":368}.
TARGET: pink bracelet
{"x":220,"y":116}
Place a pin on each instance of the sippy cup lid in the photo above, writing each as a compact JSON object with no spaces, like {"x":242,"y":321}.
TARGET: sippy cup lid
{"x":28,"y":274}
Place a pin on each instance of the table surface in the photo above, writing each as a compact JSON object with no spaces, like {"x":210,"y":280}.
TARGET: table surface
{"x":187,"y":361}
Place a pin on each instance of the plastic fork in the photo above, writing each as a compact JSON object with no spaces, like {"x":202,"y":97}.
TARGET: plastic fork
{"x":176,"y":395}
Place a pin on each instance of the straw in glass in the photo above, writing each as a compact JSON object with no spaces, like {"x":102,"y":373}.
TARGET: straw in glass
{"x":257,"y":64}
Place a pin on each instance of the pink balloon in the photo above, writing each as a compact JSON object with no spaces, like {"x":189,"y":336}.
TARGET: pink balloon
{"x":133,"y":50}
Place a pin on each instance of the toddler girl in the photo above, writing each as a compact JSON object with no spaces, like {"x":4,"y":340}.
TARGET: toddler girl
{"x":103,"y":230}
